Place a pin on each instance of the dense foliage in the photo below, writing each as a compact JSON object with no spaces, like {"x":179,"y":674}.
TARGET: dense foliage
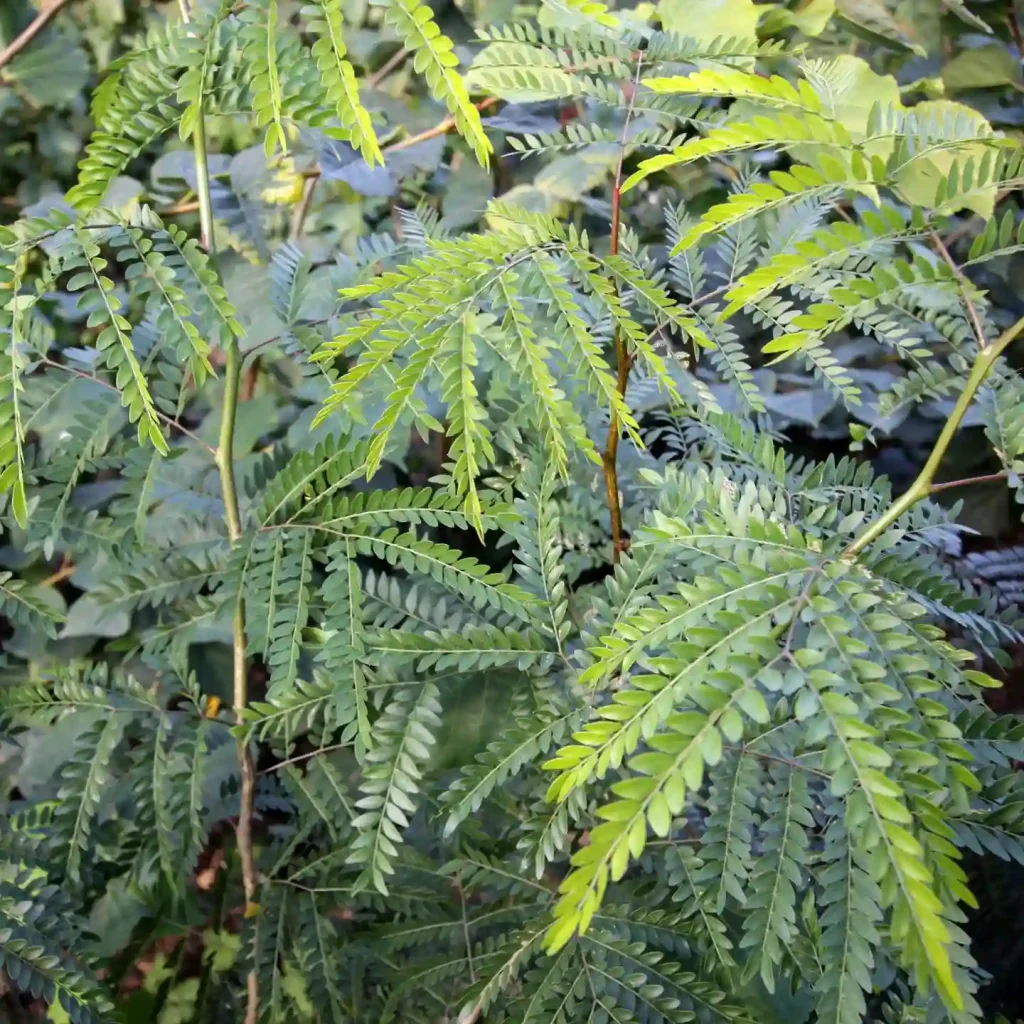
{"x":415,"y":604}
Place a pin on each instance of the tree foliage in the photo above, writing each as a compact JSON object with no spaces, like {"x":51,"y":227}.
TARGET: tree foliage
{"x":412,"y":599}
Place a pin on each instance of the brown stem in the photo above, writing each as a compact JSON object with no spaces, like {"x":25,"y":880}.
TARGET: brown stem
{"x":778,"y":759}
{"x":249,"y":380}
{"x":623,"y":360}
{"x":67,"y":568}
{"x":165,"y":419}
{"x":610,"y":456}
{"x":38,"y":23}
{"x":301,"y":210}
{"x":987,"y":478}
{"x":1015,"y":33}
{"x":251,"y":353}
{"x":394,"y":61}
{"x":970,"y":224}
{"x":185,"y":206}
{"x":964,"y":286}
{"x":240,"y":668}
{"x":442,"y":127}
{"x":299,"y":758}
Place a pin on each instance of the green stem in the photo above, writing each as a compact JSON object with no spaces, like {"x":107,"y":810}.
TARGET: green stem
{"x":226,"y":471}
{"x":922,"y":486}
{"x":203,"y":186}
{"x":226,"y":439}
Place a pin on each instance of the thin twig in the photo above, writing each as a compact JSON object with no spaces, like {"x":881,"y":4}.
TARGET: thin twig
{"x":964,"y":285}
{"x":465,"y":930}
{"x":299,"y":758}
{"x":965,"y":228}
{"x":778,"y":758}
{"x":186,"y":206}
{"x":317,"y":890}
{"x":969,"y":224}
{"x":240,"y":672}
{"x":623,"y":360}
{"x":442,"y":127}
{"x":391,"y":64}
{"x":267,"y":342}
{"x":301,"y":210}
{"x":249,"y":381}
{"x":1015,"y":33}
{"x":67,"y":568}
{"x":165,"y":419}
{"x":987,"y":478}
{"x":38,"y":23}
{"x":802,"y":598}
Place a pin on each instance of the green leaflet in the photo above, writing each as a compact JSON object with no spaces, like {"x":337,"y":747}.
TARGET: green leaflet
{"x":114,"y":340}
{"x":434,"y":58}
{"x":261,"y":41}
{"x":12,"y":429}
{"x":339,"y":77}
{"x":401,"y":743}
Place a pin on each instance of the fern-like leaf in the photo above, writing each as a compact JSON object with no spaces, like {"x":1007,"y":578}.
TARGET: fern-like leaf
{"x":435,"y":59}
{"x":324,"y":20}
{"x":402,"y":738}
{"x":261,"y":50}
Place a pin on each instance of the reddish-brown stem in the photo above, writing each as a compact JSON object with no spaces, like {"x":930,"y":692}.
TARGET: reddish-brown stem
{"x":792,"y":762}
{"x":623,"y":360}
{"x":1015,"y":33}
{"x":67,"y":568}
{"x":82,"y":375}
{"x":964,"y":286}
{"x":611,"y":448}
{"x":301,"y":210}
{"x":949,"y":485}
{"x":185,"y":206}
{"x":249,"y":380}
{"x":441,"y":128}
{"x":38,"y":23}
{"x":392,"y":63}
{"x":616,"y":208}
